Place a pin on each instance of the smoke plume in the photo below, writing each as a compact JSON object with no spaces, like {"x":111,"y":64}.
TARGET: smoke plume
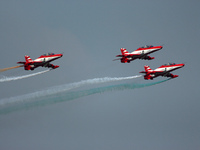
{"x":5,"y":69}
{"x":39,"y":99}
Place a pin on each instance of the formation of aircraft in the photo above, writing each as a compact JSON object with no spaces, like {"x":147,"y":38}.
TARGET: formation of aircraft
{"x":126,"y":57}
{"x":140,"y":53}
{"x":163,"y":70}
{"x":42,"y":61}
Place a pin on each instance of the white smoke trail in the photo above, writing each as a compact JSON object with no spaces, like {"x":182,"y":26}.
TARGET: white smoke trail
{"x":65,"y":96}
{"x":4,"y":79}
{"x":62,"y":88}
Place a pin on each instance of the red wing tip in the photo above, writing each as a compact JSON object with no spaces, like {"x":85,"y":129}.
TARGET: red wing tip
{"x":55,"y":67}
{"x":175,"y":76}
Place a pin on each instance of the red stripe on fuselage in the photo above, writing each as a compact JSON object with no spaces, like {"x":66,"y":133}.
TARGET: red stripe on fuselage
{"x":149,"y":48}
{"x":168,"y":66}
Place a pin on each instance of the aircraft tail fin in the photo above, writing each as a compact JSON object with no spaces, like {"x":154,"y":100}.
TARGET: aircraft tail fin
{"x":28,"y":59}
{"x":148,"y":73}
{"x":124,"y":56}
{"x":148,"y":69}
{"x":124,"y":51}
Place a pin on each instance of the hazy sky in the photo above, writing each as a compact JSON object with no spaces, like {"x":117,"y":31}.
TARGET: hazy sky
{"x":90,"y":34}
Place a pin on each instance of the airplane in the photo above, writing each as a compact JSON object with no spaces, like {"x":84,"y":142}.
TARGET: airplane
{"x":163,"y":70}
{"x":140,"y":53}
{"x":43,"y":61}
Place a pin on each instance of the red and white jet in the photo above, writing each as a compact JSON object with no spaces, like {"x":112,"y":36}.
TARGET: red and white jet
{"x":163,"y":70}
{"x":140,"y":53}
{"x":43,"y":61}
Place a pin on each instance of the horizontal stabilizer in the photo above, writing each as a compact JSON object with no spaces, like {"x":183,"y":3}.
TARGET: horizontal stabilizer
{"x":116,"y":59}
{"x":119,"y":55}
{"x":21,"y":62}
{"x":143,"y":72}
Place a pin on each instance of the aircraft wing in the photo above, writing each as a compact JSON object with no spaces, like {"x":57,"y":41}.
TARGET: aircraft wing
{"x":36,"y":62}
{"x":164,"y":74}
{"x":146,"y":57}
{"x":167,"y":74}
{"x":31,"y":63}
{"x":126,"y":56}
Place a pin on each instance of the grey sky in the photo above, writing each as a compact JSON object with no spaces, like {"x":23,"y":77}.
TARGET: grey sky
{"x":91,"y":33}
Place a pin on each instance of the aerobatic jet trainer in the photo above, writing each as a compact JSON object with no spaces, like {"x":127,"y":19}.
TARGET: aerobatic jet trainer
{"x":163,"y":70}
{"x":140,"y":53}
{"x":42,"y":61}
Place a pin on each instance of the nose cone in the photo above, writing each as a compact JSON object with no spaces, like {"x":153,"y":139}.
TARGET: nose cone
{"x":181,"y":65}
{"x":61,"y":55}
{"x":161,"y":47}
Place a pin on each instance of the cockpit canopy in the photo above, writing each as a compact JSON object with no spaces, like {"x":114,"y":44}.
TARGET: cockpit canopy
{"x":168,"y":64}
{"x":147,"y":46}
{"x":48,"y":54}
